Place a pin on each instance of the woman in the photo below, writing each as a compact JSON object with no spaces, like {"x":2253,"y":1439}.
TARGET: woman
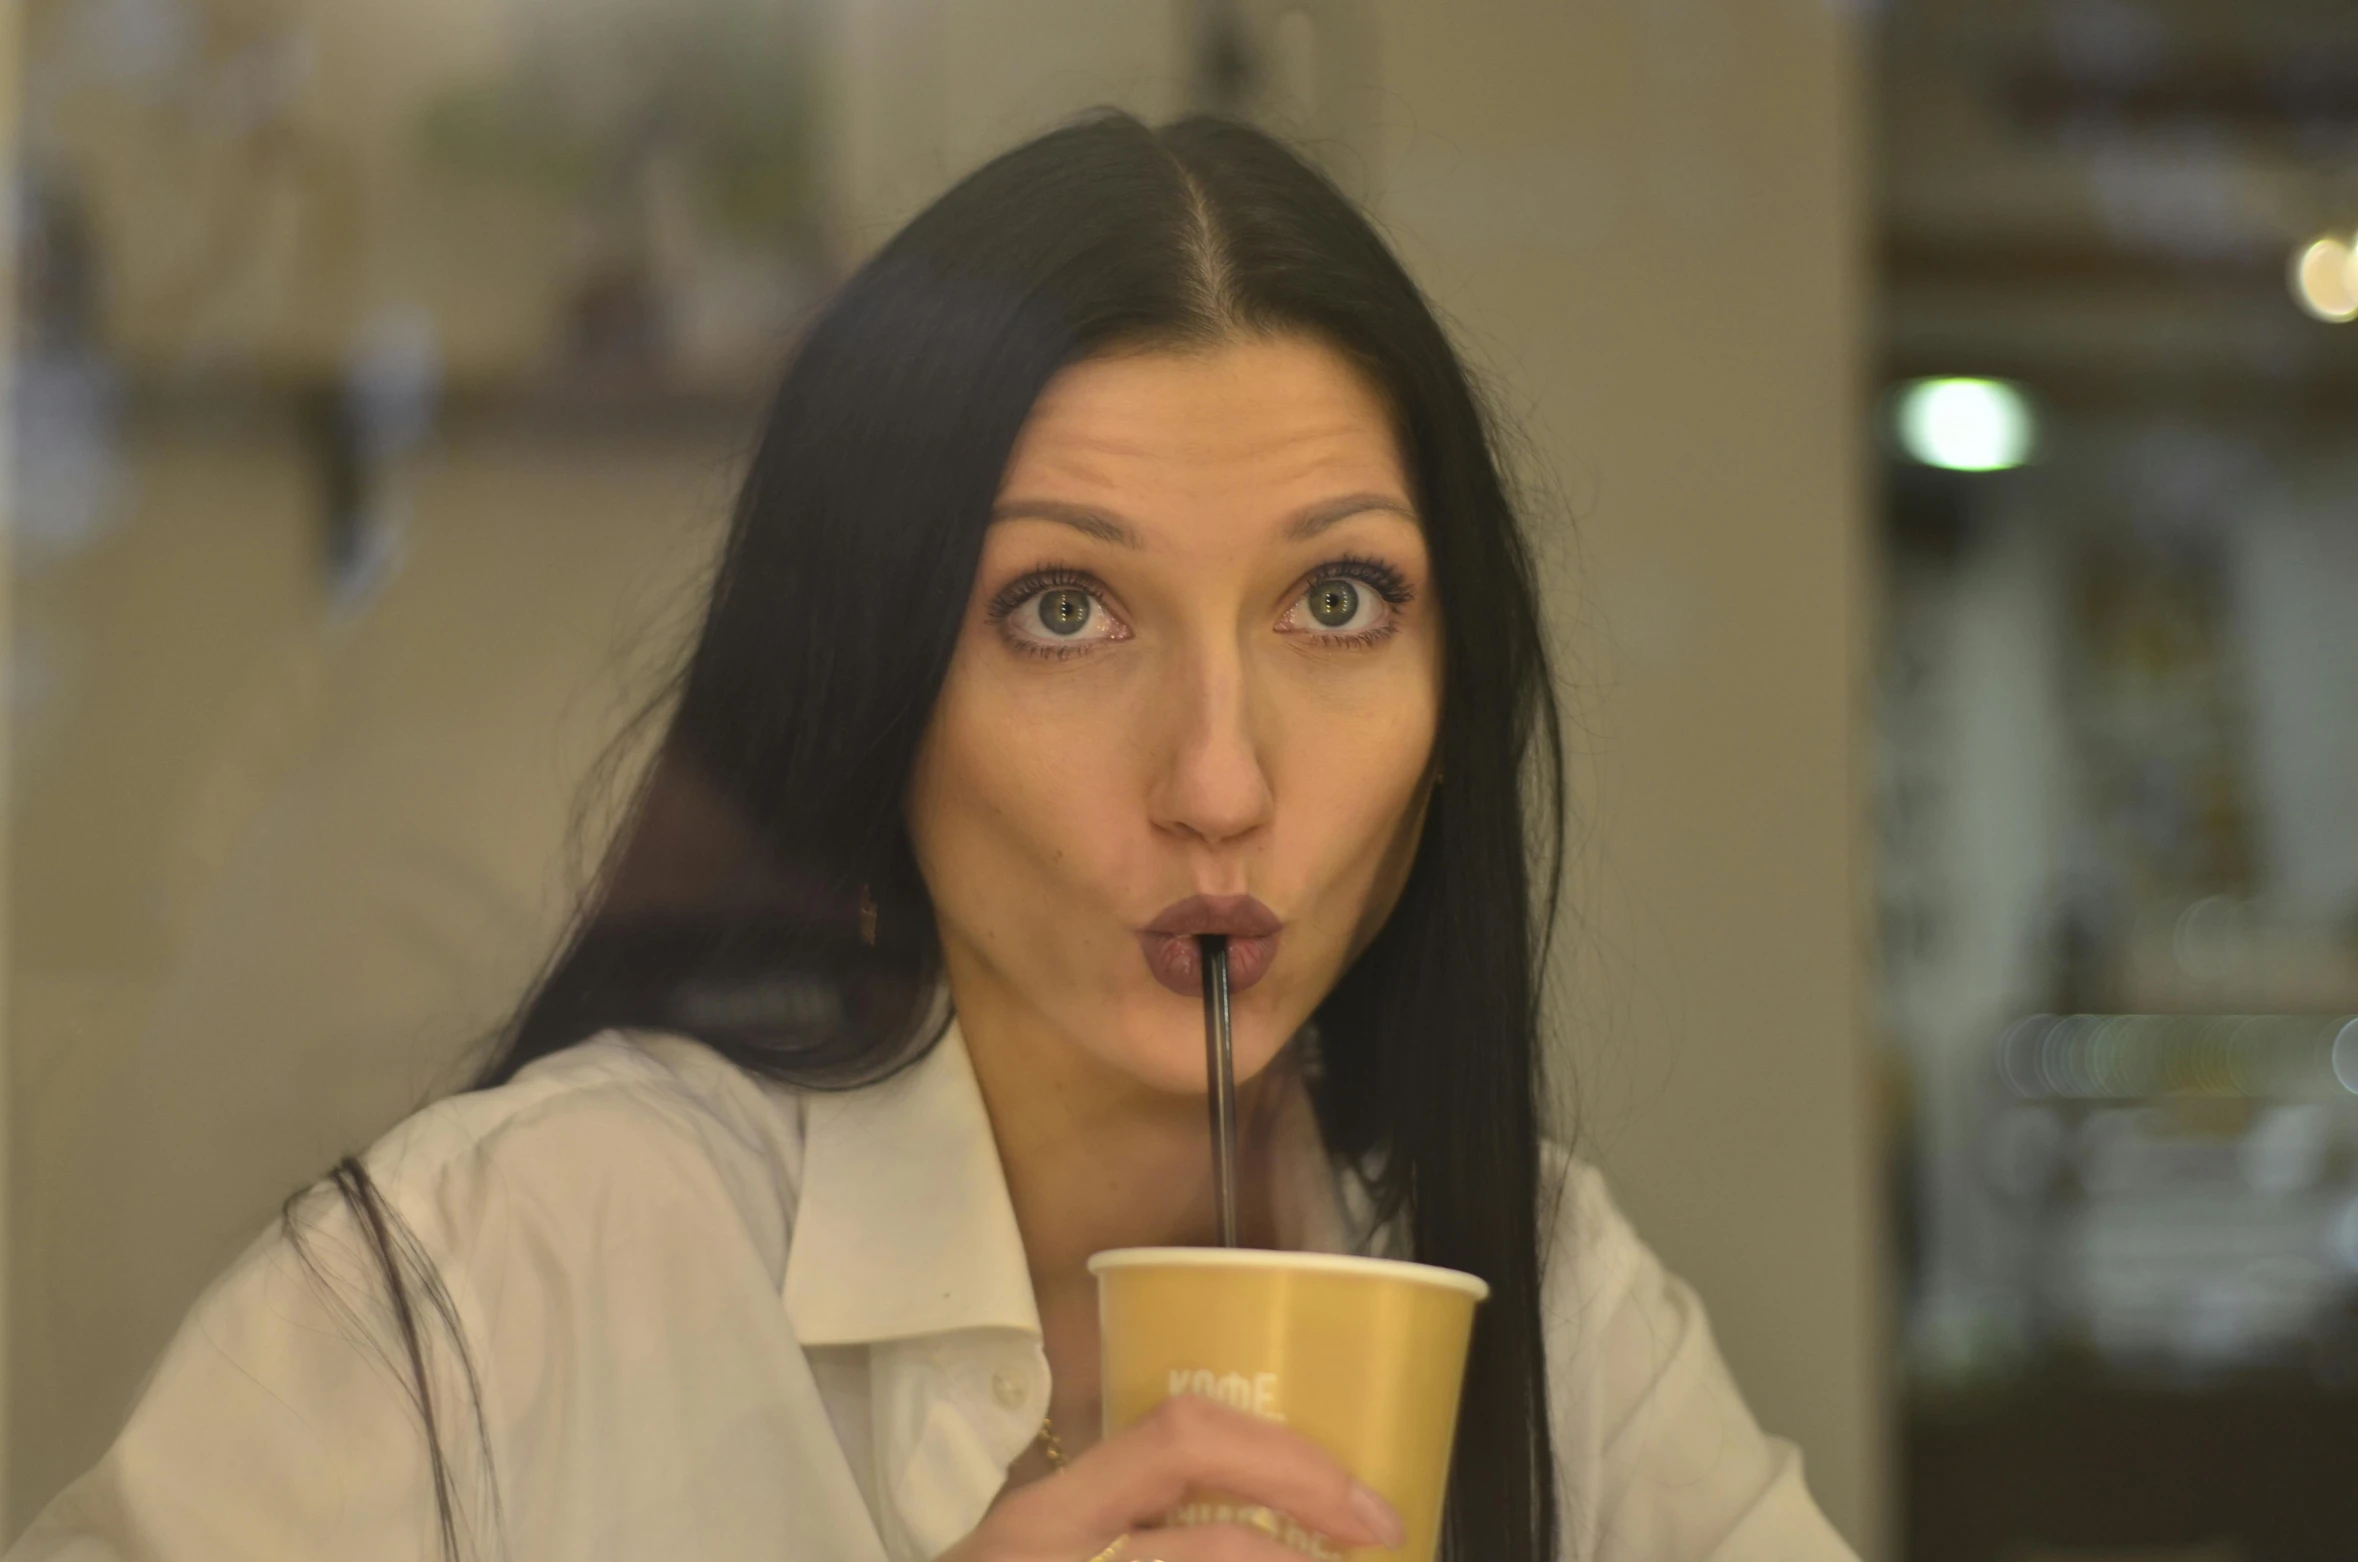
{"x":1124,"y":560}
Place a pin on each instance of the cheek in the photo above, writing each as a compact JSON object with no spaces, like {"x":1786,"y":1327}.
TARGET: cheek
{"x":1355,"y":801}
{"x":1009,"y":804}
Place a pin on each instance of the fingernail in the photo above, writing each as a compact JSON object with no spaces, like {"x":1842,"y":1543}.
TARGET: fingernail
{"x":1378,"y":1516}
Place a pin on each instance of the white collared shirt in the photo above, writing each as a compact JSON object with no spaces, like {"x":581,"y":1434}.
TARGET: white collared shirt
{"x":714,"y":1317}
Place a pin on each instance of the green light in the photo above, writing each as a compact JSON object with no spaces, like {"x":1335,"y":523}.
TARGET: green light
{"x":1966,"y":425}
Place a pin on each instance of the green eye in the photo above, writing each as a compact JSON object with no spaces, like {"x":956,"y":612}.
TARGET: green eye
{"x":1064,"y":611}
{"x":1334,"y":602}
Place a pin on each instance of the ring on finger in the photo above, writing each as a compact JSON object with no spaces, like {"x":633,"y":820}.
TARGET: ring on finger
{"x":1112,"y":1551}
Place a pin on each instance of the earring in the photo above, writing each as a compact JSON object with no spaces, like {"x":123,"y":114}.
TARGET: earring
{"x":867,"y":918}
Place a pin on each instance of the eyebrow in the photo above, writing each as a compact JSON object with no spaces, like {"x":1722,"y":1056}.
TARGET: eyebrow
{"x":1081,"y":518}
{"x":1108,"y":527}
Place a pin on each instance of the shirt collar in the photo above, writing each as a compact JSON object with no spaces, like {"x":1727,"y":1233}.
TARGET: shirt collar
{"x":904,"y":1227}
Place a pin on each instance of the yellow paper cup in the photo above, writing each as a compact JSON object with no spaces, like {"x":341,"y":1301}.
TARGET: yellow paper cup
{"x":1363,"y":1356}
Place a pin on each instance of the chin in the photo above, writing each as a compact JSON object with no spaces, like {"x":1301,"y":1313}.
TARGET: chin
{"x":1160,"y":1042}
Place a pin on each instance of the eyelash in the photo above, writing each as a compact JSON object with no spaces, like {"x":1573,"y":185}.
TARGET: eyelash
{"x":1025,"y":587}
{"x":1387,"y":581}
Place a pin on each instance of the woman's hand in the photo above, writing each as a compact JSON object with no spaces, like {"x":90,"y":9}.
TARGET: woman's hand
{"x":1188,"y":1443}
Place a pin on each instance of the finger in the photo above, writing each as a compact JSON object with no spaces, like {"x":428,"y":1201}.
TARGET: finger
{"x":1189,"y":1441}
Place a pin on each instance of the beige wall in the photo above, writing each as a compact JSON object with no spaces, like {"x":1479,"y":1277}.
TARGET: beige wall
{"x":285,"y":864}
{"x":1645,"y":220}
{"x":9,"y":106}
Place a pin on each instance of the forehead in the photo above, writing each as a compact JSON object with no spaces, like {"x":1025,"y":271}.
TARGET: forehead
{"x":1276,"y":416}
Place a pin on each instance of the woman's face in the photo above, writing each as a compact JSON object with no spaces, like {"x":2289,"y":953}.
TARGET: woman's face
{"x":1196,"y":689}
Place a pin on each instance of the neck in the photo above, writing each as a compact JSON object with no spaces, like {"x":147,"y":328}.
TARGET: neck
{"x":1095,"y":1159}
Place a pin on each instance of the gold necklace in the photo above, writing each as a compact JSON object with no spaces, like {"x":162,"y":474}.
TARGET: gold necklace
{"x":1050,"y":1449}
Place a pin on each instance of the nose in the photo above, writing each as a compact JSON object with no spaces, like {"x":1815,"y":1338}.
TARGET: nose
{"x":1209,"y":783}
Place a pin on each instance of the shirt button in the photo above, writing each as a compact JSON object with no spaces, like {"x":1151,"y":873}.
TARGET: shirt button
{"x":1008,"y":1390}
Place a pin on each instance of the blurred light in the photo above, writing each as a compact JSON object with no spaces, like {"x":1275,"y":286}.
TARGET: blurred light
{"x":2055,"y":1053}
{"x":2325,"y":280}
{"x":1966,"y":425}
{"x":2124,"y":1057}
{"x":2015,"y":1051}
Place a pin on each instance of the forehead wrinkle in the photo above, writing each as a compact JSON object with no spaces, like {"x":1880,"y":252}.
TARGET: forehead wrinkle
{"x":1305,"y":469}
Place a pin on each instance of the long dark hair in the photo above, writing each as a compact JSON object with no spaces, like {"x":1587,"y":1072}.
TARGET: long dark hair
{"x":766,"y":846}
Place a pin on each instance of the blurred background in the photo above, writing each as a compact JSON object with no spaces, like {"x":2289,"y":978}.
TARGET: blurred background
{"x":1939,"y":419}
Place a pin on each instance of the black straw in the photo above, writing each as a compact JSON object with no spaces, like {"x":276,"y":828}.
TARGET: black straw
{"x":1220,"y":1074}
